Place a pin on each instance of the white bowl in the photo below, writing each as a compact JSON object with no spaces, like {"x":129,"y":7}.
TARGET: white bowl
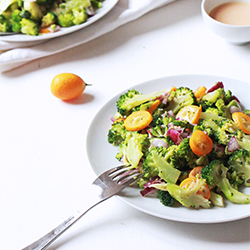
{"x":234,"y":34}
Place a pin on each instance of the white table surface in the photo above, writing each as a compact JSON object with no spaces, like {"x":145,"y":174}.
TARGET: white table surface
{"x":43,"y":161}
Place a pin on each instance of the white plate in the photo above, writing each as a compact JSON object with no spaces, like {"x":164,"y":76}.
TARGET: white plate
{"x":102,"y":154}
{"x":107,"y":6}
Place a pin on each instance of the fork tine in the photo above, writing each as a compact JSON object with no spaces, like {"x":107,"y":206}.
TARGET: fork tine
{"x":129,"y":177}
{"x":122,"y":170}
{"x":116,"y":169}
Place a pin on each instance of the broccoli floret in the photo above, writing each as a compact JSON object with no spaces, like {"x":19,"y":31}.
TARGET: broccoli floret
{"x":66,"y":20}
{"x":72,"y":12}
{"x":29,"y":27}
{"x":184,"y":157}
{"x":228,"y":96}
{"x":15,"y":15}
{"x":5,"y":27}
{"x":209,"y":126}
{"x":133,"y":149}
{"x":25,"y":14}
{"x":133,"y":98}
{"x":214,"y":111}
{"x":16,"y":27}
{"x":239,"y":162}
{"x":209,"y":99}
{"x":49,"y":19}
{"x":218,"y":153}
{"x":158,"y":163}
{"x":189,"y":197}
{"x":180,"y":98}
{"x":117,"y":133}
{"x":216,"y":175}
{"x":80,"y":16}
{"x":246,"y":111}
{"x":165,"y":198}
{"x":226,"y":130}
{"x":225,"y":109}
{"x":243,"y":139}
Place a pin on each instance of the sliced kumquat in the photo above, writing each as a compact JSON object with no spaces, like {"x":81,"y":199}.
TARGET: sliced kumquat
{"x":44,"y":31}
{"x":154,"y":106}
{"x":138,"y":120}
{"x":196,"y":172}
{"x":243,"y":121}
{"x":190,"y":113}
{"x":200,"y":92}
{"x":200,"y":143}
{"x":190,"y":183}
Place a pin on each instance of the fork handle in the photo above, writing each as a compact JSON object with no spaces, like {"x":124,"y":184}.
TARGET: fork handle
{"x":49,"y":238}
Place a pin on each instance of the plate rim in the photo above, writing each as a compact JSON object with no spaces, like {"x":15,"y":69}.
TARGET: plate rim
{"x":126,"y":199}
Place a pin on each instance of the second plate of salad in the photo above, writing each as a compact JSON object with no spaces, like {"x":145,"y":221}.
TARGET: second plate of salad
{"x":106,"y":157}
{"x":107,"y":6}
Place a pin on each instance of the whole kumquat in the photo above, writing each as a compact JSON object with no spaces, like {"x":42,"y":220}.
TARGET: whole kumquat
{"x":67,"y":86}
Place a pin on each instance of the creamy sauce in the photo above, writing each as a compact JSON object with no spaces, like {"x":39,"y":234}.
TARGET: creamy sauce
{"x":234,"y":13}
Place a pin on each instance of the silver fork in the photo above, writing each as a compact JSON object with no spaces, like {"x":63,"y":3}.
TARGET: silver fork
{"x":105,"y":186}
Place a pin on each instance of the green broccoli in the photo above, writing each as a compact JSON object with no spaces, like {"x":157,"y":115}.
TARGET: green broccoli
{"x":133,"y":148}
{"x":158,"y":163}
{"x":225,"y":131}
{"x":133,"y":98}
{"x":72,"y":12}
{"x":117,"y":133}
{"x":216,"y":175}
{"x":16,"y":15}
{"x":215,"y":111}
{"x":239,"y":162}
{"x":190,"y":197}
{"x":184,"y":157}
{"x":165,"y":198}
{"x":29,"y":27}
{"x":209,"y":126}
{"x":246,"y":111}
{"x":209,"y":99}
{"x":225,"y":109}
{"x":179,"y":98}
{"x":243,"y":139}
{"x":49,"y":19}
{"x":25,"y":14}
{"x":5,"y":25}
{"x":218,"y":153}
{"x":16,"y":19}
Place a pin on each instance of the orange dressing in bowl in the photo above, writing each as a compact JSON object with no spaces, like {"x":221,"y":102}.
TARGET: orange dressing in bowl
{"x":233,"y":13}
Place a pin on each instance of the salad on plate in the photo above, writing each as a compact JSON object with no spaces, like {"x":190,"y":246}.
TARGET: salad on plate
{"x":191,"y":146}
{"x":37,"y":17}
